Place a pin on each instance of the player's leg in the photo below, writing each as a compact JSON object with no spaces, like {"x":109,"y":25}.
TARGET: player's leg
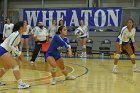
{"x":2,"y":72}
{"x":9,"y":62}
{"x":129,"y":50}
{"x":52,"y":62}
{"x":61,"y":65}
{"x":27,"y":46}
{"x":21,"y":44}
{"x":116,"y":58}
{"x":83,"y":44}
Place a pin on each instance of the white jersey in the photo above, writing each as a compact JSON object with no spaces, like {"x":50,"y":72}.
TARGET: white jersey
{"x":11,"y":43}
{"x":52,"y":30}
{"x":8,"y":29}
{"x":125,"y":35}
{"x":85,"y":31}
{"x":41,"y":34}
{"x":29,"y":28}
{"x":34,"y":29}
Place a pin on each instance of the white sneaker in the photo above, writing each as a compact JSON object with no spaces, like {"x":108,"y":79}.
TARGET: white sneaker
{"x":115,"y":70}
{"x":2,"y":83}
{"x":53,"y":81}
{"x":39,"y":54}
{"x":84,"y":55}
{"x":135,"y":69}
{"x":70,"y":77}
{"x":23,"y":86}
{"x":32,"y":62}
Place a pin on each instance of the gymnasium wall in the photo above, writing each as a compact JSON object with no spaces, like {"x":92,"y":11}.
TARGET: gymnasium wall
{"x":131,"y":9}
{"x":16,"y":4}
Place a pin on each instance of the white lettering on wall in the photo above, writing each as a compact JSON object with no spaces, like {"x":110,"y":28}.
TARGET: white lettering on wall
{"x":49,"y":19}
{"x":86,"y":14}
{"x":32,"y":15}
{"x":60,"y":15}
{"x":96,"y":18}
{"x":74,"y":18}
{"x":100,"y":17}
{"x":115,"y":18}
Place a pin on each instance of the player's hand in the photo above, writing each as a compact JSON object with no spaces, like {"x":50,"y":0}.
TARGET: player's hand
{"x":21,"y":57}
{"x":69,"y":52}
{"x":59,"y":49}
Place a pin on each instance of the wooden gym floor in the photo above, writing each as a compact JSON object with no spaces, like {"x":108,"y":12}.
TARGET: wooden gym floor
{"x":93,"y":76}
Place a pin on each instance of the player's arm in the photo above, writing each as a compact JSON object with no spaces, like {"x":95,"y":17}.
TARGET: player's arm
{"x":61,"y":41}
{"x":4,"y":32}
{"x":11,"y":44}
{"x":133,"y":40}
{"x":87,"y":31}
{"x":121,"y":40}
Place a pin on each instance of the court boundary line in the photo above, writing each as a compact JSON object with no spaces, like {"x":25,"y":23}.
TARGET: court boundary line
{"x":86,"y":71}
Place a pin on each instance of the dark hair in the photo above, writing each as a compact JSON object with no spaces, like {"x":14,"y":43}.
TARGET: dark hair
{"x":59,"y":22}
{"x":18,"y":25}
{"x":132,"y":21}
{"x":60,"y":29}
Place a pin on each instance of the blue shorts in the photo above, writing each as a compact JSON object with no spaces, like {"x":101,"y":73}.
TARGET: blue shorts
{"x":55,"y":55}
{"x":25,"y":36}
{"x":2,"y":51}
{"x":123,"y":43}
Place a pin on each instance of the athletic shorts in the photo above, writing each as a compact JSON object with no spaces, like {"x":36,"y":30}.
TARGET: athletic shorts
{"x":2,"y":51}
{"x":25,"y":36}
{"x":55,"y":55}
{"x":123,"y":43}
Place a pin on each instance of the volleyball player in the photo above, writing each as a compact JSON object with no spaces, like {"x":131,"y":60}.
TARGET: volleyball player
{"x":127,"y":33}
{"x":61,"y":23}
{"x":25,"y":38}
{"x":83,"y":38}
{"x":8,"y":28}
{"x":53,"y":56}
{"x":52,"y":29}
{"x":6,"y":58}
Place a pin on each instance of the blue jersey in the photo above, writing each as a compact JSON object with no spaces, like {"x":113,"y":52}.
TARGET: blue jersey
{"x":57,"y":42}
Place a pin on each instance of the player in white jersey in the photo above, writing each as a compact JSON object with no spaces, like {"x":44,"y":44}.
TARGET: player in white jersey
{"x":52,"y":29}
{"x":83,"y":37}
{"x":127,"y":33}
{"x":8,"y":28}
{"x":25,"y":37}
{"x":6,"y":58}
{"x":61,"y":23}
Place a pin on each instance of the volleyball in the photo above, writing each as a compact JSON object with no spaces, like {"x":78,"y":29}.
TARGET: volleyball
{"x":79,"y":31}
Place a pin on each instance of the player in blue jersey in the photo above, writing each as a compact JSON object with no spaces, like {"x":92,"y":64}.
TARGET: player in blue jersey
{"x":53,"y":56}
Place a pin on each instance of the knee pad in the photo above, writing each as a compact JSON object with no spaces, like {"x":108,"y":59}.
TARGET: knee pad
{"x":117,"y":56}
{"x":84,"y":46}
{"x":132,"y":56}
{"x":16,"y":68}
{"x":54,"y":69}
